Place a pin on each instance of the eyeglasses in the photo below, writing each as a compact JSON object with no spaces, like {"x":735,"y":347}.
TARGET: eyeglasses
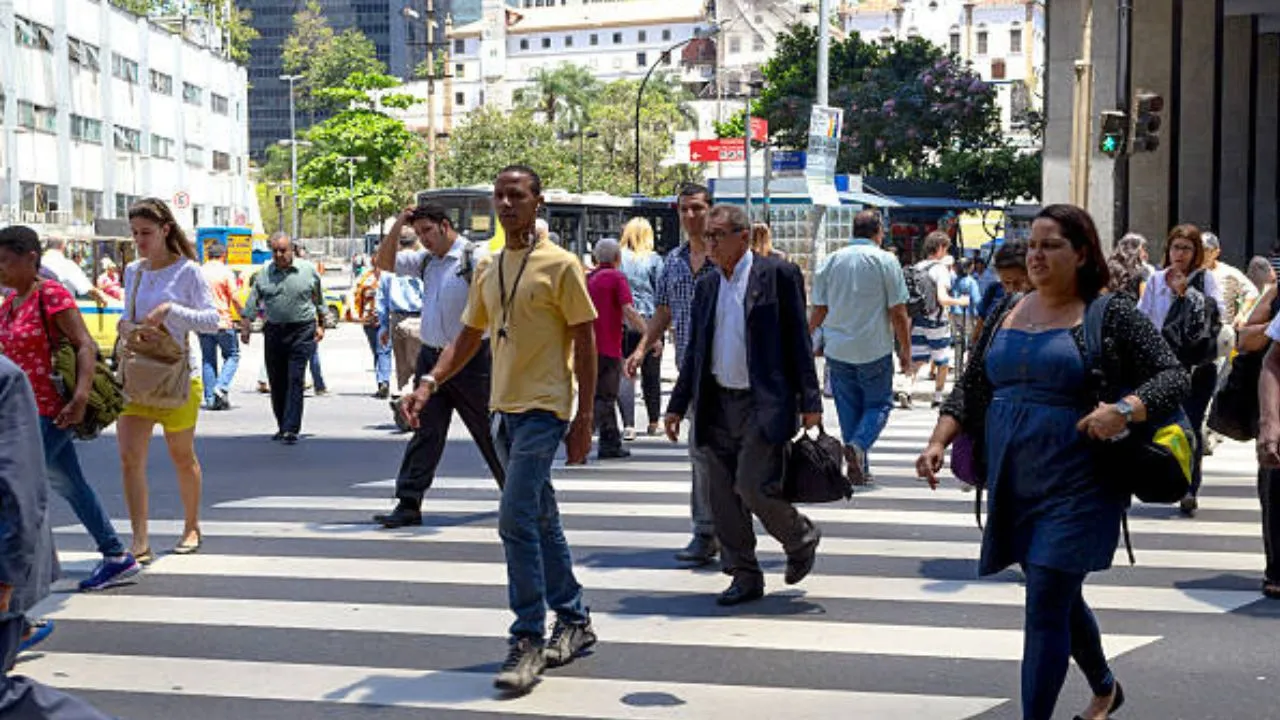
{"x":718,"y":235}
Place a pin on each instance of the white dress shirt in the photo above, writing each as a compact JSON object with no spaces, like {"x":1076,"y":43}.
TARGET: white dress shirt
{"x":444,"y":291}
{"x":1158,"y":298}
{"x":729,"y":345}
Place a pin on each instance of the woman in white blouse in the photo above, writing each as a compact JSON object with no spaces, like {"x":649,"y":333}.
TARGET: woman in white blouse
{"x":164,"y":288}
{"x":1183,"y":268}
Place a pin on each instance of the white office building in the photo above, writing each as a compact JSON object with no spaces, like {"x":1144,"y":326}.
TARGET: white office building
{"x":101,"y":107}
{"x":1003,"y":39}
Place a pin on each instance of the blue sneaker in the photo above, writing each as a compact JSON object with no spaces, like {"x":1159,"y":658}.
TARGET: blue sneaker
{"x":40,"y":631}
{"x":110,"y":573}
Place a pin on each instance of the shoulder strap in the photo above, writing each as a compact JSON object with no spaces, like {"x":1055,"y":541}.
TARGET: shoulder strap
{"x":133,"y":294}
{"x":44,"y":315}
{"x":1093,"y":317}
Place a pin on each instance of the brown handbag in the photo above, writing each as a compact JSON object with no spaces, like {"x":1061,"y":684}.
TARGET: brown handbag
{"x":153,"y":365}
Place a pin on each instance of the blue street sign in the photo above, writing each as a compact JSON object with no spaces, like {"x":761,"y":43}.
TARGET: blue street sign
{"x":788,"y":160}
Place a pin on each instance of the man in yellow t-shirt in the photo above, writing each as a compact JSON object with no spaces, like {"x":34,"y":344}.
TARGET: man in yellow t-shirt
{"x":532,"y":300}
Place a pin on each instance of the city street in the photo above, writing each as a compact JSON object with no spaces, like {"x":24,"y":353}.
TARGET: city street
{"x":297,"y":607}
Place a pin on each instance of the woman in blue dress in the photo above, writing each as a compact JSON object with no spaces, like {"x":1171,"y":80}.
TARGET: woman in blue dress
{"x":1028,"y":397}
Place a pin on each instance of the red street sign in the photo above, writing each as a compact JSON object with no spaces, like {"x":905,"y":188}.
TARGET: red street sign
{"x":759,"y":130}
{"x":716,"y":150}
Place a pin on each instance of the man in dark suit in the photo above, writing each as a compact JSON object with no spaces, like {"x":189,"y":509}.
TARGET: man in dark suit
{"x":749,"y":379}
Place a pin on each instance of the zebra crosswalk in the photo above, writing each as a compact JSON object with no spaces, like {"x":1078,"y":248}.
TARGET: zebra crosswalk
{"x":297,"y":607}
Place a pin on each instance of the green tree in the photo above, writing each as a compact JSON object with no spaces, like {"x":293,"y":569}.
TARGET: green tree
{"x":488,"y":140}
{"x":564,"y":92}
{"x":325,"y":59}
{"x":905,"y":102}
{"x":664,"y":111}
{"x":989,"y":175}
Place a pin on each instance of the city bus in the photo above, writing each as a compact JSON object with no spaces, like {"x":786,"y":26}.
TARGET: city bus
{"x":578,"y":219}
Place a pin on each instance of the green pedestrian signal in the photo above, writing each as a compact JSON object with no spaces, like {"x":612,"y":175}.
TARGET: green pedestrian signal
{"x":1115,"y":126}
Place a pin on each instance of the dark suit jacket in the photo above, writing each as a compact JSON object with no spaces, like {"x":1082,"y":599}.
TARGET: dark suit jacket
{"x":784,"y":382}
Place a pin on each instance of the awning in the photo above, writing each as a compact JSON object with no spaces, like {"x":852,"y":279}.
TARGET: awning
{"x":866,"y":198}
{"x":941,"y":203}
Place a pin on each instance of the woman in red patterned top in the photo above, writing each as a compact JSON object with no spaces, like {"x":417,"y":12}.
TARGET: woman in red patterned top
{"x":38,"y":311}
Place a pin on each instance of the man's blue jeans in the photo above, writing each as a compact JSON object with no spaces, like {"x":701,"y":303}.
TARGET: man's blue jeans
{"x":381,"y":354}
{"x":539,"y":567}
{"x":67,"y":479}
{"x":228,"y":343}
{"x":864,"y":397}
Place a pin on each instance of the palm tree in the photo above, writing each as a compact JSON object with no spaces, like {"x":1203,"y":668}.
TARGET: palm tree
{"x":563,"y":92}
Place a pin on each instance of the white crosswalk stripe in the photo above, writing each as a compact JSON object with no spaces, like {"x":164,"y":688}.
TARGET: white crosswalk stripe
{"x":312,"y":568}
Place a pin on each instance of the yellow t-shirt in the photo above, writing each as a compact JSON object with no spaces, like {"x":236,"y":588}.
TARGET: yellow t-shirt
{"x":533,"y":364}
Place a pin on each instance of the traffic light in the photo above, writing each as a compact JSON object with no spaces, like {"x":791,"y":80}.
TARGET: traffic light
{"x":1146,"y":122}
{"x":1115,"y":131}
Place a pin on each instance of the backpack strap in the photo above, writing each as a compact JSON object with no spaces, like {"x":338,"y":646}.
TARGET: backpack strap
{"x":1128,"y":544}
{"x":977,"y":503}
{"x":466,"y":268}
{"x":1094,"y":314}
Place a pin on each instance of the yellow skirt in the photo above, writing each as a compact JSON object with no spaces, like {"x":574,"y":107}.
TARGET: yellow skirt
{"x":171,"y":420}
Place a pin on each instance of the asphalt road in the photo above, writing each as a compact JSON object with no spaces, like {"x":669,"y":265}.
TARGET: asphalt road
{"x":298,"y":608}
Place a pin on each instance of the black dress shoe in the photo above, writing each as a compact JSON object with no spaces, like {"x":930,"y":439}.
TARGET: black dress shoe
{"x":613,"y":454}
{"x":702,"y":549}
{"x":402,"y":516}
{"x":800,"y":563}
{"x":290,"y":439}
{"x":741,"y":590}
{"x":278,"y":436}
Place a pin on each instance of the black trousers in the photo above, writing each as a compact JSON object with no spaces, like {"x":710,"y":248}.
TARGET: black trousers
{"x":468,"y":394}
{"x":1269,"y":495}
{"x":608,"y":376}
{"x":288,"y":350}
{"x":1204,"y":381}
{"x":650,"y":378}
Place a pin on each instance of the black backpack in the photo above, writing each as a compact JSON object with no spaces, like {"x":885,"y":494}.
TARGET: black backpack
{"x":922,"y":292}
{"x":1192,"y":326}
{"x":814,"y":470}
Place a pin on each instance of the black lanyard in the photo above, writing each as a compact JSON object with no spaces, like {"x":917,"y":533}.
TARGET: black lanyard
{"x":509,"y":301}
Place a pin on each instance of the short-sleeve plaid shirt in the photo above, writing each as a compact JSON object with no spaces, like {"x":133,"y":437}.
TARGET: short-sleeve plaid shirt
{"x":675,"y":290}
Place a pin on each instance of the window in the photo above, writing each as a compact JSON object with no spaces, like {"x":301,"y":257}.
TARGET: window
{"x":524,"y":44}
{"x":83,"y":54}
{"x":642,"y":36}
{"x":546,"y":43}
{"x":124,"y":68}
{"x":568,"y":41}
{"x":128,"y":139}
{"x":86,"y":129}
{"x":221,"y":161}
{"x":997,"y":69}
{"x":955,"y":42}
{"x":595,"y":39}
{"x":38,"y":198}
{"x":459,"y":70}
{"x":982,"y":42}
{"x":32,"y":34}
{"x":617,"y":38}
{"x":757,"y":43}
{"x":460,"y":99}
{"x":37,"y":117}
{"x":161,"y":147}
{"x":460,"y":46}
{"x":642,"y":59}
{"x":735,"y":44}
{"x":86,"y":205}
{"x":221,"y":216}
{"x":1015,"y":40}
{"x":194,"y":155}
{"x":219,"y":104}
{"x":161,"y":83}
{"x":123,"y":203}
{"x":666,"y":59}
{"x":192,"y":94}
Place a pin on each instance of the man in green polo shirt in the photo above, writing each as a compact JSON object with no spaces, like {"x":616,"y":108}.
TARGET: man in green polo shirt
{"x":291,"y":295}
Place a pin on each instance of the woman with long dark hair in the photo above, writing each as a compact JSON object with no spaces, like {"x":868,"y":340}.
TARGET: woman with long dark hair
{"x":164,"y":288}
{"x":1028,"y":400}
{"x":1183,"y":271}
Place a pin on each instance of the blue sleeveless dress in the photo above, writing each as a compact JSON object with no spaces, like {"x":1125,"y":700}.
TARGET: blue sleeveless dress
{"x":1045,"y":505}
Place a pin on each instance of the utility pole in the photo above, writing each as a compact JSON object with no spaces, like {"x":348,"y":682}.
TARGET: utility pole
{"x":293,"y":151}
{"x":1124,"y":91}
{"x":1082,"y":113}
{"x":431,"y":94}
{"x":824,"y":50}
{"x":351,"y":161}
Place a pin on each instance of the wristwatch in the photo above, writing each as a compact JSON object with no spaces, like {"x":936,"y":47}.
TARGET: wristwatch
{"x":430,"y":381}
{"x":1125,"y":408}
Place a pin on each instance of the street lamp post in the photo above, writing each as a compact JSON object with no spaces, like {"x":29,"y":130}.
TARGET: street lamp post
{"x":351,"y":161}
{"x":581,"y":135}
{"x":701,"y":34}
{"x":293,"y":181}
{"x":293,"y":150}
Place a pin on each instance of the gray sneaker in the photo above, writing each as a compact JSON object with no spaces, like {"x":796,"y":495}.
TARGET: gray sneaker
{"x":525,"y":662}
{"x":568,"y":641}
